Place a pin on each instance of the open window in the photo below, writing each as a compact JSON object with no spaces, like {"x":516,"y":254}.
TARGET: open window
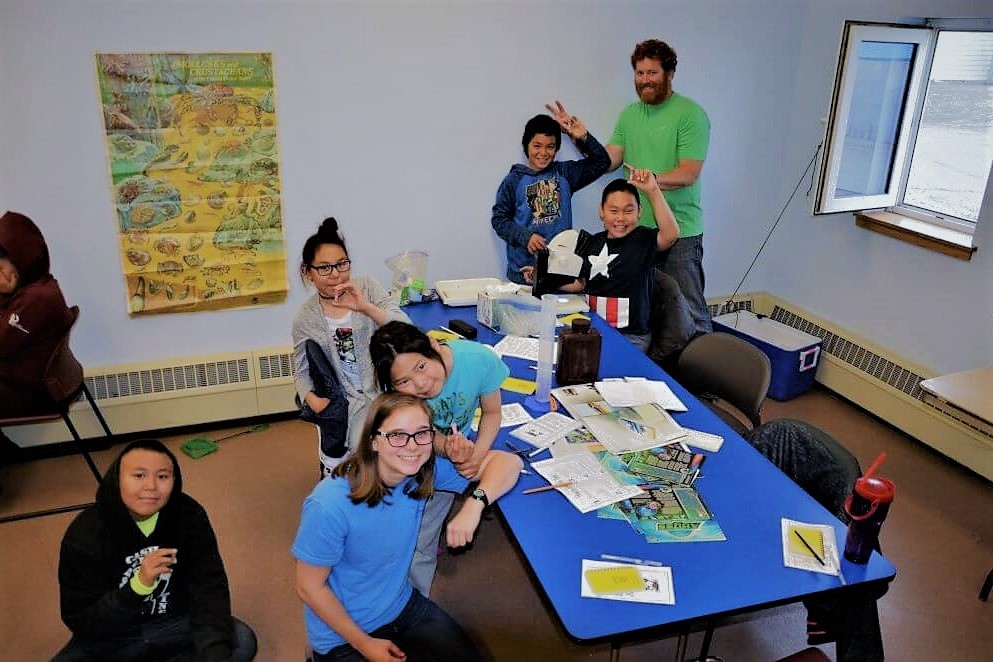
{"x":910,"y":131}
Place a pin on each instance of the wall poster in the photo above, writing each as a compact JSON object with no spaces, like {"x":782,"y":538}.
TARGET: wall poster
{"x":194,"y":164}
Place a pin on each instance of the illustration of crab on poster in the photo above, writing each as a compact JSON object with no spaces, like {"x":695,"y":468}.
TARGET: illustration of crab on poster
{"x":191,"y":141}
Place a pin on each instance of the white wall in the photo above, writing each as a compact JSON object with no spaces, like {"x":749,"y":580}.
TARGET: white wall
{"x":933,"y":309}
{"x":400,"y":118}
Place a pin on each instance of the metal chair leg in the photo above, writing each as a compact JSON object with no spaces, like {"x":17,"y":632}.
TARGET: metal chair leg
{"x":45,"y":513}
{"x":984,"y":592}
{"x":96,"y":410}
{"x":80,"y":447}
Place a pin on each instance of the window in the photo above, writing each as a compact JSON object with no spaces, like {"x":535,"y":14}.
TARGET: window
{"x":911,"y":125}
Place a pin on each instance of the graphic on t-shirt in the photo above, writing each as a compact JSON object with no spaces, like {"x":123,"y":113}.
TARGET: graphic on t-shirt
{"x":445,"y":409}
{"x":599,"y":263}
{"x":158,"y":601}
{"x":344,"y":342}
{"x":615,"y":310}
{"x":545,"y":200}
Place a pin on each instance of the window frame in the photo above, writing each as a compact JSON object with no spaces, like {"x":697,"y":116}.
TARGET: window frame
{"x":925,"y":37}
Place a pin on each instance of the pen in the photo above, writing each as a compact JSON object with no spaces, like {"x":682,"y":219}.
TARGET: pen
{"x":515,"y":449}
{"x":628,"y":559}
{"x":809,"y":548}
{"x":841,"y":575}
{"x":545,"y":488}
{"x":525,"y":471}
{"x":445,"y":328}
{"x":537,"y":450}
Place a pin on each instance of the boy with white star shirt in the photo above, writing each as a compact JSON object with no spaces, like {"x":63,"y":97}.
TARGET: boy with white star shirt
{"x":617,"y":263}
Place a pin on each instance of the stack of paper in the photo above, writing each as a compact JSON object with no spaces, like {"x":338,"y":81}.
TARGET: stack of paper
{"x":620,"y":430}
{"x":631,"y":391}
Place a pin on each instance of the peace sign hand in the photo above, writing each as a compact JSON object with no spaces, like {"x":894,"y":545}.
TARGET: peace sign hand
{"x":571,"y":124}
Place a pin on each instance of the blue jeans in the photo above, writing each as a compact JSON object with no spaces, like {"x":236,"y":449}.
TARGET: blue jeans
{"x":422,"y":630}
{"x":684,"y":263}
{"x":168,"y":638}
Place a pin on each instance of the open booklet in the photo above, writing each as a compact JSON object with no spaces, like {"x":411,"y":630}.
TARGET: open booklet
{"x":588,"y":485}
{"x":620,"y":429}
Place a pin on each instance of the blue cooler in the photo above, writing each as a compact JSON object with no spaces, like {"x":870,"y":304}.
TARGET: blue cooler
{"x":793,"y":353}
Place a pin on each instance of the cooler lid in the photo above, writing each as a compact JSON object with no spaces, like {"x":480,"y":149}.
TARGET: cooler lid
{"x":768,"y":330}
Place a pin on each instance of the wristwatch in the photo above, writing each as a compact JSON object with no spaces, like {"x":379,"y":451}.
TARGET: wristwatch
{"x":478,"y":493}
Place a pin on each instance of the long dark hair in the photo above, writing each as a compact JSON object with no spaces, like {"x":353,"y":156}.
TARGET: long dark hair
{"x":361,"y":467}
{"x":328,"y":233}
{"x":395,"y":338}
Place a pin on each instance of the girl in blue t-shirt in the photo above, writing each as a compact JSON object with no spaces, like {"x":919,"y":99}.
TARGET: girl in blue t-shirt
{"x":454,"y":378}
{"x":353,"y":579}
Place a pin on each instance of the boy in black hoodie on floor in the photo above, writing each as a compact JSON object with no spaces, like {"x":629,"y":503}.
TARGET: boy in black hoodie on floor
{"x":126,"y":594}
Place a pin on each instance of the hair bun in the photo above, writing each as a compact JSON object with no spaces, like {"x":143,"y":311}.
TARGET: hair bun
{"x":329,"y":226}
{"x":330,"y":230}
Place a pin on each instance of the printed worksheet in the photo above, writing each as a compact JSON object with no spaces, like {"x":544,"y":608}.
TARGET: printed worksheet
{"x":522,"y":348}
{"x":545,"y":429}
{"x":590,"y":484}
{"x":510,"y":415}
{"x":658,"y":584}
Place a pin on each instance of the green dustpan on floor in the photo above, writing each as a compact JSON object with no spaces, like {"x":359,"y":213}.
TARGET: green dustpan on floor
{"x":200,"y":446}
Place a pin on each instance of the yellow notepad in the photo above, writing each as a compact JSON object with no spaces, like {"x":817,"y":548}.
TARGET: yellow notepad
{"x":518,"y":385}
{"x":568,"y":319}
{"x":616,"y":579}
{"x":438,"y":334}
{"x":814,"y":538}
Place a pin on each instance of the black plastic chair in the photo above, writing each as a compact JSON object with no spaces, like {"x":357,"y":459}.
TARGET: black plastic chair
{"x":723,"y":370}
{"x":64,"y":381}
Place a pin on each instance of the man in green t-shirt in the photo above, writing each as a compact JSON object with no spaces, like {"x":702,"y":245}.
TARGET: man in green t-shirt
{"x":668,"y":134}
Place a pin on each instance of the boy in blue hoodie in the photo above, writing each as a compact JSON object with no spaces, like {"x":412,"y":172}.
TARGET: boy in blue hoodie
{"x":533,"y":203}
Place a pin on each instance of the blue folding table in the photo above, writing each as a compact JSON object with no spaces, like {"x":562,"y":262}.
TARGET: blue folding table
{"x":747,"y":495}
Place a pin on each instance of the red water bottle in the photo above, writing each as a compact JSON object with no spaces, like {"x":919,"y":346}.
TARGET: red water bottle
{"x":867,"y":505}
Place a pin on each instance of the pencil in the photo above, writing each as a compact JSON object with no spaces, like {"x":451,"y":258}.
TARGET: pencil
{"x":809,"y":548}
{"x":545,"y":488}
{"x":628,"y":559}
{"x":445,"y":328}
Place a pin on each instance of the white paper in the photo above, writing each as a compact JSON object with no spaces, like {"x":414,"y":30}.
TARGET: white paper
{"x":658,"y":584}
{"x":545,"y":429}
{"x":592,"y":486}
{"x":805,"y":561}
{"x":510,"y":415}
{"x":704,"y":440}
{"x":631,"y":391}
{"x":523,"y":348}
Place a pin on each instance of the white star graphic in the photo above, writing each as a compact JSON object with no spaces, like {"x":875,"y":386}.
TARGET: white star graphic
{"x":598,"y":263}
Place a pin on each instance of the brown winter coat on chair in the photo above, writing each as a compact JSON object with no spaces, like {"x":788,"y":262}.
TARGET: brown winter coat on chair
{"x":33,"y":318}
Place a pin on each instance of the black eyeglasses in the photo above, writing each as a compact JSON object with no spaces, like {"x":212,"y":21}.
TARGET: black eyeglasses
{"x":325,"y":269}
{"x":399,"y":439}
